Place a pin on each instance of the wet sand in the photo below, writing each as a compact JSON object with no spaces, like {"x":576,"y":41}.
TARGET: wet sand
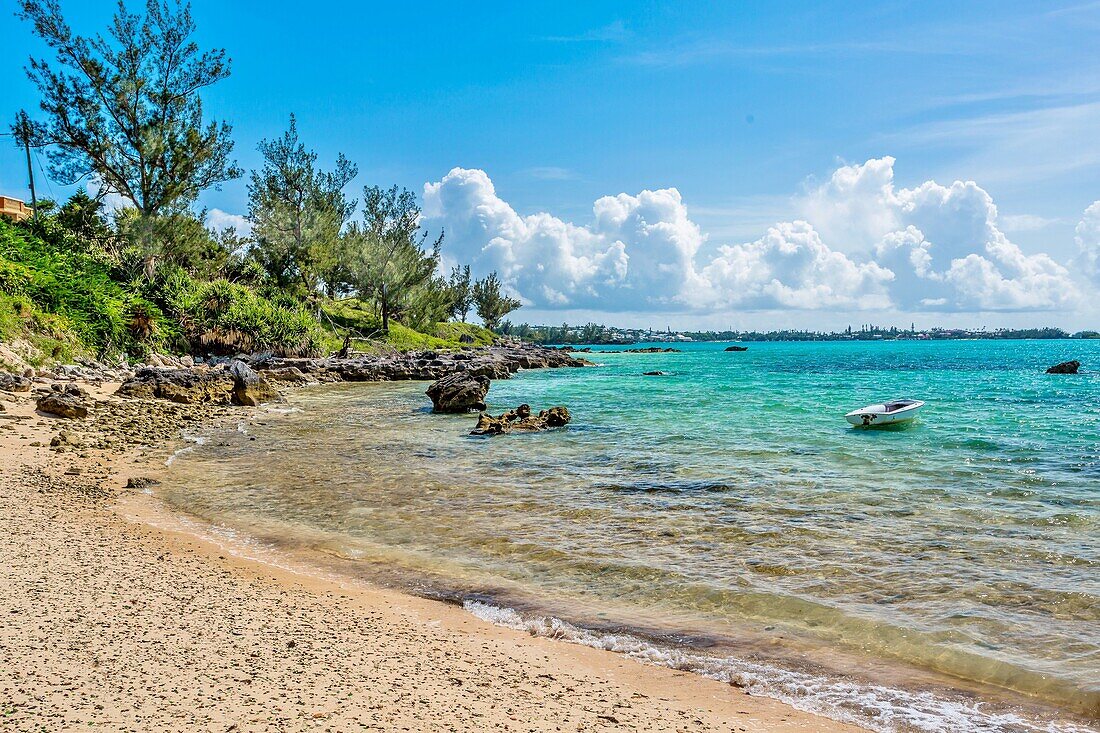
{"x":114,"y":616}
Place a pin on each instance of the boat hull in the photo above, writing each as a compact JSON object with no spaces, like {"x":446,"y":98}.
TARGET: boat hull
{"x":870,"y":418}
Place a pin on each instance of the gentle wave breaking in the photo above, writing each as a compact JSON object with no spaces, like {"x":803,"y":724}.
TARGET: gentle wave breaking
{"x":881,"y":708}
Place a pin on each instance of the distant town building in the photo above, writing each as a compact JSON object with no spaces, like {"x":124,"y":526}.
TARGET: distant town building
{"x":14,"y":209}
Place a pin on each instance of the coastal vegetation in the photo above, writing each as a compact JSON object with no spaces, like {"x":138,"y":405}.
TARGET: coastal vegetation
{"x":315,"y":272}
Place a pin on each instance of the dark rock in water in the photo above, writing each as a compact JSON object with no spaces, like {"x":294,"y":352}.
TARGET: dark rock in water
{"x":70,"y":402}
{"x":14,"y":383}
{"x":652,"y":350}
{"x":1066,"y":367}
{"x":520,"y":420}
{"x":459,"y":392}
{"x":737,"y":348}
{"x":655,"y":374}
{"x":249,"y":388}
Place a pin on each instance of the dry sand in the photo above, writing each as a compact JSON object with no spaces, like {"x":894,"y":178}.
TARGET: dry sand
{"x":109,"y":623}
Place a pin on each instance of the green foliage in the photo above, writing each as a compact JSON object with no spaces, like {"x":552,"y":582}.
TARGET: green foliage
{"x":43,"y":337}
{"x":73,"y":284}
{"x":464,"y":333}
{"x":179,"y":238}
{"x":392,"y":264}
{"x":460,"y":293}
{"x":222,"y":317}
{"x":123,"y":107}
{"x":298,"y":213}
{"x":490,"y":301}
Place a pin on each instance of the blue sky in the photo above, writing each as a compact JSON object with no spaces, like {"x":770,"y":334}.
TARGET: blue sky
{"x":748,"y":110}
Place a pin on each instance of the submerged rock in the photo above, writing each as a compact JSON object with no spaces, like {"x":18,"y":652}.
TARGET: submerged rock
{"x":1066,"y":367}
{"x":459,"y":392}
{"x":520,"y":420}
{"x":655,"y":374}
{"x":69,"y":401}
{"x":737,"y":348}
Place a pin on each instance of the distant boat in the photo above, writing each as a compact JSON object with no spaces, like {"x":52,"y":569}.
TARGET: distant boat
{"x":887,"y":413}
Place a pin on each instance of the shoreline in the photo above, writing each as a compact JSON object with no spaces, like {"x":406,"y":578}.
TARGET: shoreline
{"x":811,"y":675}
{"x":130,"y":625}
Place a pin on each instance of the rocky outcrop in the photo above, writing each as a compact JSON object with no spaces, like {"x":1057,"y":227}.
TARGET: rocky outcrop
{"x":235,"y":383}
{"x":737,"y":348}
{"x":1066,"y":367}
{"x":248,"y":380}
{"x":459,"y":392}
{"x":521,"y":420}
{"x":249,"y":388}
{"x":69,"y":401}
{"x":655,"y":374}
{"x":184,"y":386}
{"x":14,"y":383}
{"x":495,"y":362}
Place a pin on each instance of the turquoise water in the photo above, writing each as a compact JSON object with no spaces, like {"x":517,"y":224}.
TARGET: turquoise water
{"x":728,"y":513}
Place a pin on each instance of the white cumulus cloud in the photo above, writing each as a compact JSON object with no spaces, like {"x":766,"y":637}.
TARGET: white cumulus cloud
{"x":218,"y":220}
{"x":862,"y":243}
{"x":1088,"y":242}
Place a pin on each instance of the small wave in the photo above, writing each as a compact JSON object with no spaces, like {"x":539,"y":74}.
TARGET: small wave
{"x":878,"y":707}
{"x":196,"y":440}
{"x":182,"y":451}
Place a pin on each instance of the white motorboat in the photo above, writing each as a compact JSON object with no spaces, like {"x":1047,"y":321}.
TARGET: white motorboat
{"x":887,"y":413}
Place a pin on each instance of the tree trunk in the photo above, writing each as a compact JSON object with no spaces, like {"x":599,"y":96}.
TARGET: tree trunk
{"x":385,"y":309}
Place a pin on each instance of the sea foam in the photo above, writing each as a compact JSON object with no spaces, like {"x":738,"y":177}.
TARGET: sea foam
{"x":880,"y":708}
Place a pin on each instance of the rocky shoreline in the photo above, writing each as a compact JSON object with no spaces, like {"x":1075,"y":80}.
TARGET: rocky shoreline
{"x":169,"y":394}
{"x":252,"y":380}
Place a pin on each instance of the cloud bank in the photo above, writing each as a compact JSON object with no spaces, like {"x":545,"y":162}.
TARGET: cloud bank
{"x":861,"y":243}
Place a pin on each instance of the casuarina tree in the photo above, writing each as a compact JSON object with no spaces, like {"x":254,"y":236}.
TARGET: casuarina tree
{"x":490,"y":301}
{"x":124,"y":108}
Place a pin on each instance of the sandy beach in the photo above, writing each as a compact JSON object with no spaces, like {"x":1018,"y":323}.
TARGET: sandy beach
{"x":115,"y":615}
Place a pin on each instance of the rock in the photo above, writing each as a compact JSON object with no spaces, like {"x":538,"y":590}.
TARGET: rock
{"x":68,"y":402}
{"x":183,"y":386}
{"x":520,"y":420}
{"x":140,"y":482}
{"x":290,"y":375}
{"x":737,"y":348}
{"x":1066,"y":367}
{"x":14,"y":383}
{"x":465,"y":339}
{"x":459,"y":392}
{"x":655,"y":374}
{"x":652,"y":350}
{"x":187,"y":361}
{"x":249,"y":388}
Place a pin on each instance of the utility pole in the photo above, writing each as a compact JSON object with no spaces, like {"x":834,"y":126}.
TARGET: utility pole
{"x":25,"y":133}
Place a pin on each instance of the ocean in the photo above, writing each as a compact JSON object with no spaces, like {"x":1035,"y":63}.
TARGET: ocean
{"x":724,"y":518}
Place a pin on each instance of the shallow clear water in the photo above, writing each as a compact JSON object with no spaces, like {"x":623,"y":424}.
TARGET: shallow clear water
{"x":729,"y":511}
